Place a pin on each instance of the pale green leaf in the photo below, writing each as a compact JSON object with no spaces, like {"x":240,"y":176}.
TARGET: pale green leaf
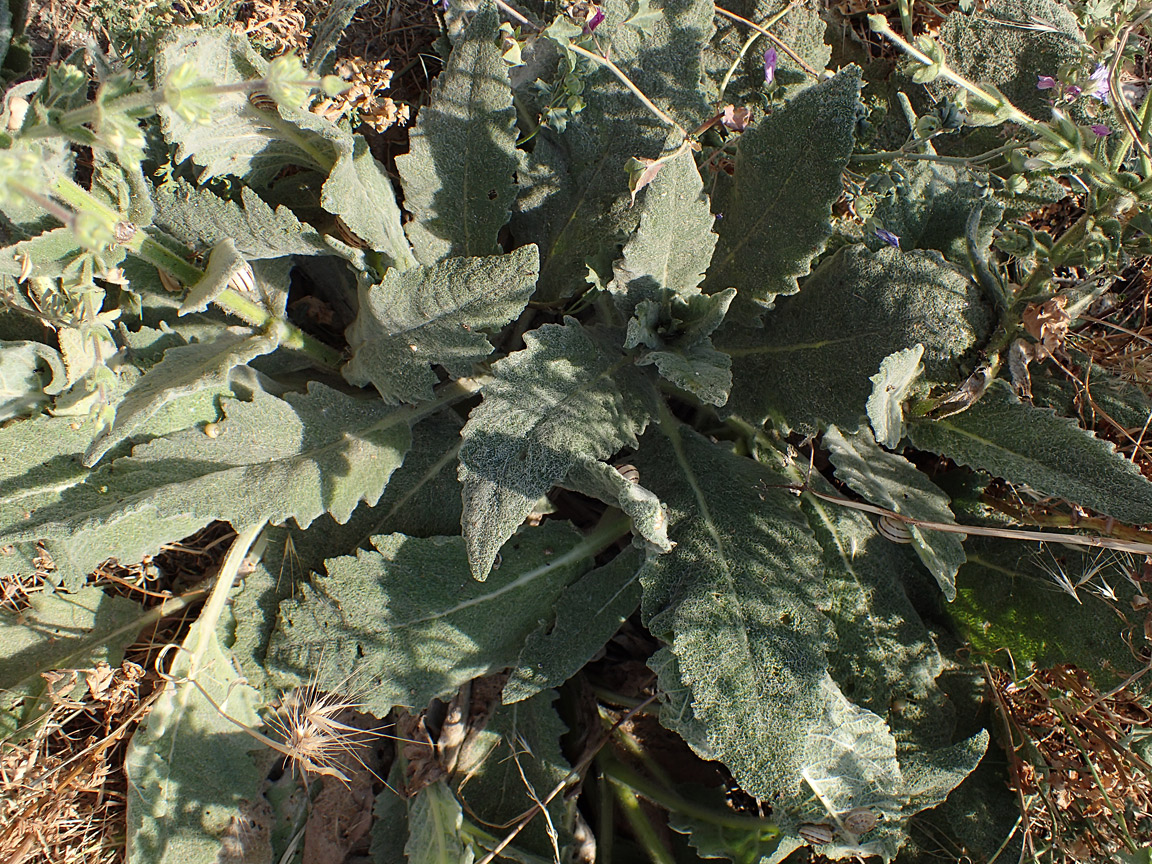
{"x":711,"y":838}
{"x":458,"y":174}
{"x":390,"y":821}
{"x":274,"y":459}
{"x":435,"y":314}
{"x":190,"y":769}
{"x":588,"y":614}
{"x":890,"y":387}
{"x":409,"y":617}
{"x":1032,"y":446}
{"x":50,"y":253}
{"x":434,"y":822}
{"x":569,"y":394}
{"x":184,"y":370}
{"x":575,"y":199}
{"x":423,"y":498}
{"x":199,"y":219}
{"x":931,"y":209}
{"x":890,"y":481}
{"x":737,"y":601}
{"x":58,"y":631}
{"x":700,"y":370}
{"x":599,"y":480}
{"x":29,"y":372}
{"x":777,"y":206}
{"x":514,"y":762}
{"x":670,"y":250}
{"x":810,"y":363}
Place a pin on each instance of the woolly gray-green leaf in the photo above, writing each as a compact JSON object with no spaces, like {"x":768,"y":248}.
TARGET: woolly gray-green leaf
{"x":569,"y":394}
{"x":810,"y":363}
{"x":5,"y":29}
{"x":50,"y":253}
{"x":801,"y":28}
{"x":700,"y":370}
{"x":435,"y":314}
{"x":673,"y":244}
{"x":1028,"y":445}
{"x":190,"y":769}
{"x":273,"y":459}
{"x":777,"y":206}
{"x":255,"y":145}
{"x":890,"y":481}
{"x":737,"y":601}
{"x":598,"y":480}
{"x":890,"y":387}
{"x":884,"y":650}
{"x":1007,"y":43}
{"x":185,"y":370}
{"x":931,"y":212}
{"x":200,"y":220}
{"x":410,"y":618}
{"x":588,"y":214}
{"x":849,"y":763}
{"x":513,"y":763}
{"x":29,"y":372}
{"x":58,"y":631}
{"x":589,"y":613}
{"x":458,"y":174}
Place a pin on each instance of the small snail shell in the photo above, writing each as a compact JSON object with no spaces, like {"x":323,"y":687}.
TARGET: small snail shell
{"x":629,"y":473}
{"x":859,"y":821}
{"x":816,"y":833}
{"x":893,"y":529}
{"x":261,"y":101}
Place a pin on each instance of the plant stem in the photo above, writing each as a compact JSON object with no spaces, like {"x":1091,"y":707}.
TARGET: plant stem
{"x":627,"y":82}
{"x":773,"y":37}
{"x":621,"y":774}
{"x":749,"y":42}
{"x":963,"y":161}
{"x":641,"y":827}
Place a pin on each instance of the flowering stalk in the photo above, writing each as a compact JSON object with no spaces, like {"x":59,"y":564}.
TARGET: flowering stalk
{"x":1004,"y":108}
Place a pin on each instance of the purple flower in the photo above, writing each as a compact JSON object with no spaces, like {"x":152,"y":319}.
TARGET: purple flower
{"x":769,"y":65}
{"x":1098,"y":83}
{"x":595,"y":21}
{"x":1072,"y":91}
{"x":888,"y":237}
{"x":1100,"y":130}
{"x":1045,"y":82}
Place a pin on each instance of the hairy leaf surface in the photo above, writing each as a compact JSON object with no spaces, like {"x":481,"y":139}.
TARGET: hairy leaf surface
{"x":589,"y":613}
{"x":670,"y":250}
{"x":574,"y":203}
{"x":778,"y":204}
{"x":434,"y":821}
{"x":274,"y":459}
{"x":889,"y":480}
{"x":435,"y":314}
{"x":185,"y":370}
{"x":737,"y":601}
{"x":568,"y":395}
{"x":599,"y":480}
{"x":200,"y":220}
{"x":190,"y":769}
{"x":458,"y":174}
{"x":811,"y":362}
{"x":1023,"y":444}
{"x":890,"y":387}
{"x":410,"y":618}
{"x":58,"y":631}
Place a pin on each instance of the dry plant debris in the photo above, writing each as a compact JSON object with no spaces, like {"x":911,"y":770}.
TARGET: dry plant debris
{"x":1083,"y":787}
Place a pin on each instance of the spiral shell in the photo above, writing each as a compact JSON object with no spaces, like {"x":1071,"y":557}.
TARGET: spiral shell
{"x":244,"y":281}
{"x":816,"y":833}
{"x":261,"y":101}
{"x":629,"y":473}
{"x":859,"y":821}
{"x":893,"y":529}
